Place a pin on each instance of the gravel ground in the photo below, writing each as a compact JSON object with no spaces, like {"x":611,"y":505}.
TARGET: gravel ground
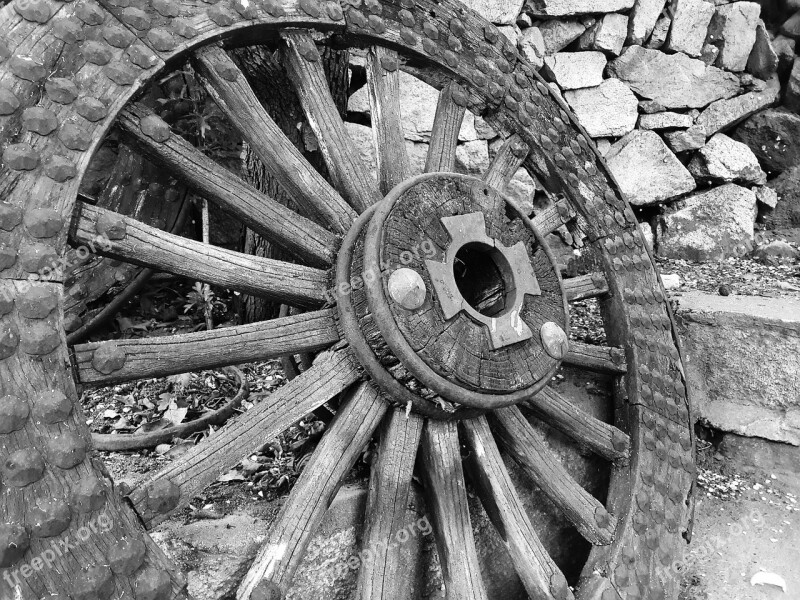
{"x":743,"y":276}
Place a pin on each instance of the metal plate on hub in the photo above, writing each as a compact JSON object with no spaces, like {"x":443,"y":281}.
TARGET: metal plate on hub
{"x":515,"y":272}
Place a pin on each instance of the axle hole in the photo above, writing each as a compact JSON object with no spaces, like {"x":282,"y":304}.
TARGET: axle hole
{"x":484,"y":278}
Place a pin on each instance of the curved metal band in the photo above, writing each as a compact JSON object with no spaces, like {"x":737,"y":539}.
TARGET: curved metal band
{"x":379,"y":306}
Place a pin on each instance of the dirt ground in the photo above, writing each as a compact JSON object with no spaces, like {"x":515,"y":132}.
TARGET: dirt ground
{"x":743,"y":526}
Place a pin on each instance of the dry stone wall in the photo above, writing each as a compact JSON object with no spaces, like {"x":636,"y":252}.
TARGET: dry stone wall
{"x":693,"y":103}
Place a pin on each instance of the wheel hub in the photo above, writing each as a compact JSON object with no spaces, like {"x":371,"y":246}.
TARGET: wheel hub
{"x":458,"y":287}
{"x":517,"y":278}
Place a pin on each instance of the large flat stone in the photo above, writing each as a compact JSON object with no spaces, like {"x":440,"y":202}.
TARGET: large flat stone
{"x":733,"y":31}
{"x":608,"y":110}
{"x":499,"y":12}
{"x":757,"y":455}
{"x":607,"y":35}
{"x":660,"y":32}
{"x":642,"y":20}
{"x":693,"y":138}
{"x":786,"y":214}
{"x":646,"y":170}
{"x":575,"y":70}
{"x":472,"y":158}
{"x":665,"y":120}
{"x":763,"y":61}
{"x":725,"y":160}
{"x":560,"y":33}
{"x":673,"y":80}
{"x":774,"y":136}
{"x":724,"y":114}
{"x":690,"y":20}
{"x":563,"y":8}
{"x":531,"y":43}
{"x":742,"y":362}
{"x":710,"y":225}
{"x":364,"y":143}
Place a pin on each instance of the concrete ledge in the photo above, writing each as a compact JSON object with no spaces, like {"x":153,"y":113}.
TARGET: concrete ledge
{"x":743,"y":362}
{"x":757,"y":456}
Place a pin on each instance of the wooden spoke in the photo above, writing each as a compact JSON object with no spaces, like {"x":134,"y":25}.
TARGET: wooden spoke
{"x":553,"y":217}
{"x":174,"y":486}
{"x":585,"y":286}
{"x":446,"y":497}
{"x":539,"y":574}
{"x":385,"y":575}
{"x":446,"y":126}
{"x":340,"y":447}
{"x":300,"y":236}
{"x":387,"y":128}
{"x":544,"y":468}
{"x":302,"y":182}
{"x":115,"y":235}
{"x":603,"y":359}
{"x":507,"y":162}
{"x":348,"y":172}
{"x":168,"y":355}
{"x":555,"y":410}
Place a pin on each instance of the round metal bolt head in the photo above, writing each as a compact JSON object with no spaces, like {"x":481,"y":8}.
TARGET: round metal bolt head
{"x":108,"y":358}
{"x":407,"y":288}
{"x":49,"y":517}
{"x":267,"y":590}
{"x":23,"y":468}
{"x":163,"y":496}
{"x":66,"y":450}
{"x":152,"y":584}
{"x":14,"y":413}
{"x":127,"y":556}
{"x":89,"y":495}
{"x":52,"y":406}
{"x":554,"y":340}
{"x":94,"y":583}
{"x":14,"y":543}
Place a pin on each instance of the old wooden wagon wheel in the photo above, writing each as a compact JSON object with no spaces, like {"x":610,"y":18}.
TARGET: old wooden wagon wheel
{"x":422,"y":355}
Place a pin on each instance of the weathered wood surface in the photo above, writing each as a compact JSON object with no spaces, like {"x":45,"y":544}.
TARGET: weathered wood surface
{"x":506,"y":162}
{"x":446,"y":498}
{"x":51,"y":488}
{"x":553,"y":217}
{"x":133,"y":187}
{"x":304,"y":184}
{"x":118,"y":236}
{"x":344,"y":441}
{"x":460,"y":348}
{"x":387,"y":128}
{"x":539,"y":574}
{"x":603,"y":359}
{"x":332,"y":373}
{"x":558,"y":412}
{"x":446,"y":125}
{"x":298,"y":235}
{"x":168,"y":355}
{"x":385,"y":575}
{"x":530,"y":450}
{"x":348,"y":173}
{"x":585,"y":286}
{"x":263,"y":69}
{"x":610,"y":216}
